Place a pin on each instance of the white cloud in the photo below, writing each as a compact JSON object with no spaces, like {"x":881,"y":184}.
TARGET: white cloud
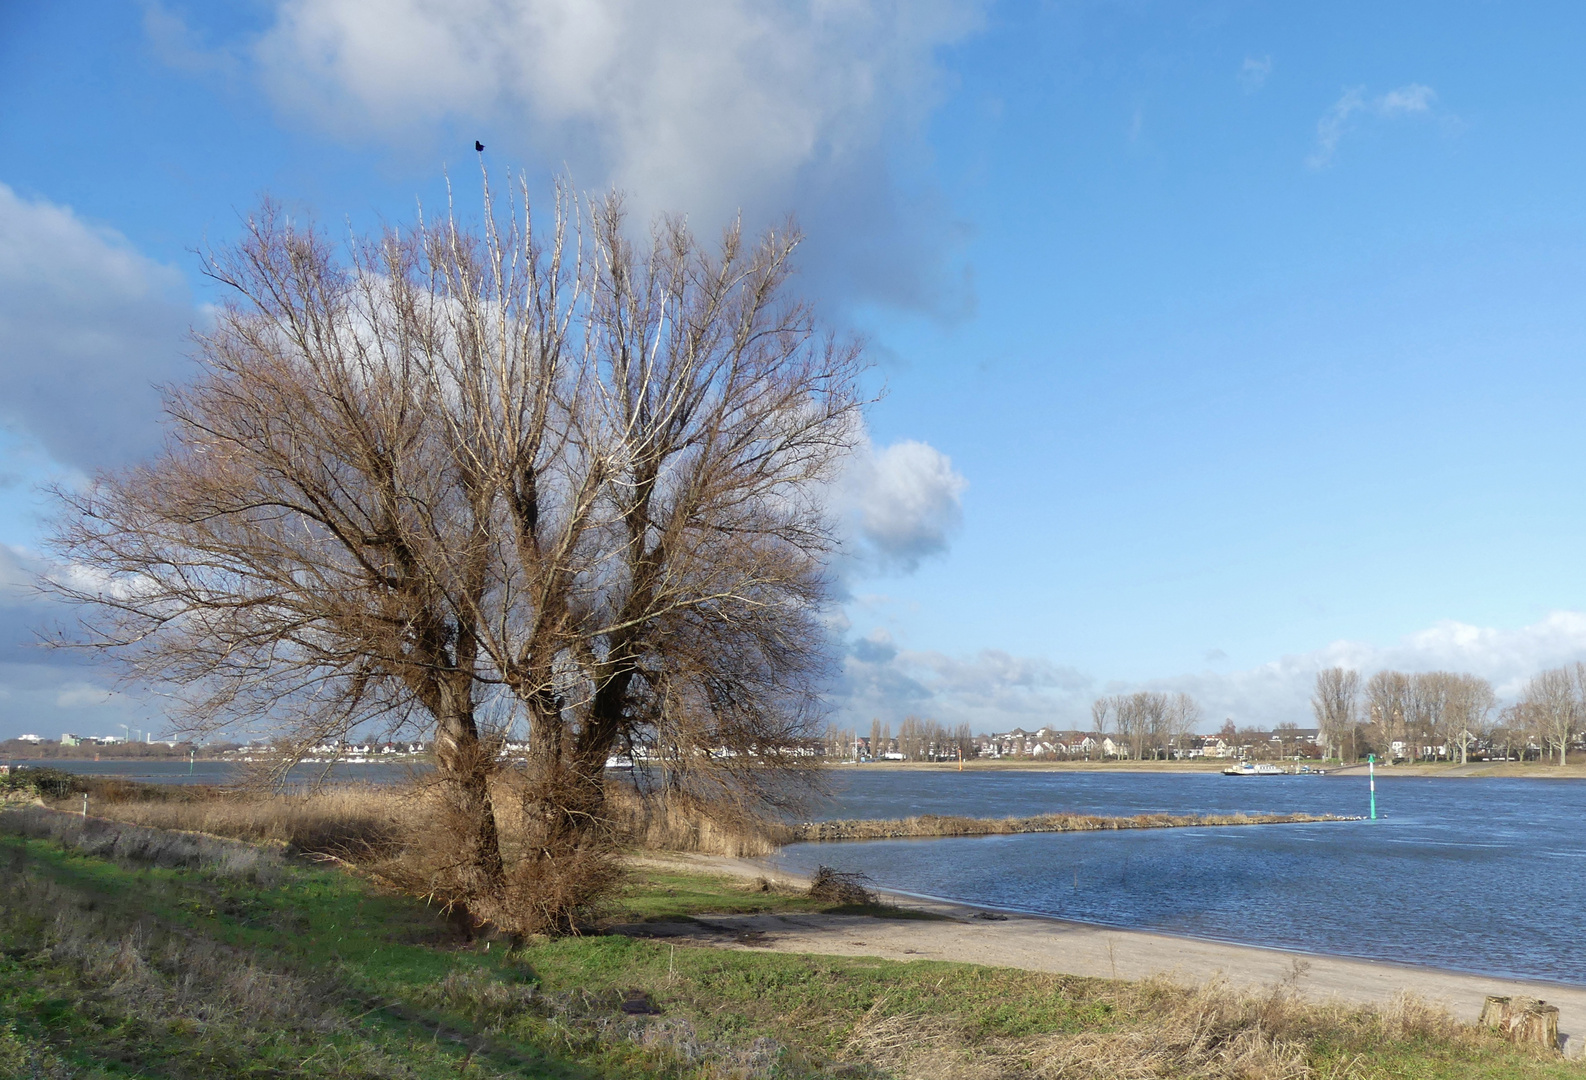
{"x":994,"y":690}
{"x":1414,"y":98}
{"x":81,"y":695}
{"x":1411,"y":100}
{"x":900,"y":504}
{"x":703,"y":107}
{"x":44,"y":689}
{"x":88,"y":326}
{"x":1253,"y":73}
{"x":990,"y":690}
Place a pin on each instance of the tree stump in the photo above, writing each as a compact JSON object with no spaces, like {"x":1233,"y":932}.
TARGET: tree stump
{"x":1522,"y":1020}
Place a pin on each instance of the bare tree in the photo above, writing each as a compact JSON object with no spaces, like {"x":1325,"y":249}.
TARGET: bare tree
{"x":1334,"y":702}
{"x":1388,"y":700}
{"x":452,"y":481}
{"x":1100,"y":712}
{"x":1553,"y":706}
{"x":1470,"y":702}
{"x":1184,"y":715}
{"x":1427,"y":712}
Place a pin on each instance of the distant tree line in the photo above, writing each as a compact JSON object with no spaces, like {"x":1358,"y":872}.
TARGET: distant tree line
{"x":1149,"y":723}
{"x":918,"y":739}
{"x":1447,"y":715}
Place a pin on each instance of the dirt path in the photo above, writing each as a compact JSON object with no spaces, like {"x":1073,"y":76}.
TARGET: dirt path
{"x":1042,"y":944}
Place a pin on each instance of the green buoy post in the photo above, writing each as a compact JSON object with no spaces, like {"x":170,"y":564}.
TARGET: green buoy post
{"x":1371,"y":767}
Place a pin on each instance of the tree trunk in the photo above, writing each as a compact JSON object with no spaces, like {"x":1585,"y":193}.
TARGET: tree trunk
{"x":464,"y":766}
{"x":565,"y":803}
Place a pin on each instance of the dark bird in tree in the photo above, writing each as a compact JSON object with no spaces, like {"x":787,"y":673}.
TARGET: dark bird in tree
{"x":479,"y":147}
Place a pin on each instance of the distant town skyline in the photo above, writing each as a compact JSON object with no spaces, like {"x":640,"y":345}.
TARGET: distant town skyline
{"x":1213,"y":344}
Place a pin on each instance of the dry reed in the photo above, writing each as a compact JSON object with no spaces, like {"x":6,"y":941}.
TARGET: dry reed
{"x":348,"y":822}
{"x":375,"y":821}
{"x":932,"y":825}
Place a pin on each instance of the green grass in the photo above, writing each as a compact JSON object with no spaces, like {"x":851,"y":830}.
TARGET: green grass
{"x":124,"y":969}
{"x":654,"y":895}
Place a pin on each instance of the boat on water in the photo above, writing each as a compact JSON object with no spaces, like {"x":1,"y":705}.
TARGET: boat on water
{"x":1259,"y":768}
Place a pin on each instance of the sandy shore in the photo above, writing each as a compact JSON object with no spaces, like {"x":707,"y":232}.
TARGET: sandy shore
{"x":1043,"y":944}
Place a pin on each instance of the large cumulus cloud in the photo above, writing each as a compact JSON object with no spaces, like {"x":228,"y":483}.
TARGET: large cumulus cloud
{"x":695,"y":106}
{"x":899,"y":504}
{"x":47,"y":691}
{"x":88,"y":328}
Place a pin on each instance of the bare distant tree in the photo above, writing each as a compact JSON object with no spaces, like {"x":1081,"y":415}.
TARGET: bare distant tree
{"x":1184,"y":715}
{"x":1155,"y":728}
{"x":1427,"y":711}
{"x":1100,"y":709}
{"x":1513,"y":730}
{"x":964,"y":742}
{"x":1335,"y":702}
{"x":448,"y":481}
{"x":1553,"y":706}
{"x":1470,"y":702}
{"x":1388,"y":700}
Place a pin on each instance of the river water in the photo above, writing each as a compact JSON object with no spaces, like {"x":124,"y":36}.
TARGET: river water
{"x":1479,"y":875}
{"x":161,"y":771}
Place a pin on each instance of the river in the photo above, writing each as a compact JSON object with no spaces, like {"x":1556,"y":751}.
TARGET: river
{"x":219,"y":773}
{"x":1479,"y":875}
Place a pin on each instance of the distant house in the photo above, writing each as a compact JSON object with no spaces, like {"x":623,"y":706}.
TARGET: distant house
{"x":71,"y":740}
{"x":29,"y":738}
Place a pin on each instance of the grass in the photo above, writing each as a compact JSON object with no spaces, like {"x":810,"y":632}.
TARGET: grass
{"x":663,"y":894}
{"x":127,"y":951}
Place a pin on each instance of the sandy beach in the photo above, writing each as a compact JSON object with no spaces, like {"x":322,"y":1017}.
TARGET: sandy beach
{"x":1052,"y":945}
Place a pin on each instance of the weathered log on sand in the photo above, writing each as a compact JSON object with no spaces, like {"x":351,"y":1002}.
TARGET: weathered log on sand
{"x":1522,"y":1020}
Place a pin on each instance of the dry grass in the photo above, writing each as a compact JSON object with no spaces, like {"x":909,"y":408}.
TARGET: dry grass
{"x":125,"y":843}
{"x":691,"y":825}
{"x":358,"y":822}
{"x":933,"y":825}
{"x":1163,"y":1030}
{"x":352,"y":821}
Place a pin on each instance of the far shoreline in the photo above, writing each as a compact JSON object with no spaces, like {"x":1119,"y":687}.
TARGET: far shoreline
{"x":1440,"y":770}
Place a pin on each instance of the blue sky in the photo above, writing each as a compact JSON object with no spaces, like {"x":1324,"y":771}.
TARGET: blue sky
{"x":1220,"y":341}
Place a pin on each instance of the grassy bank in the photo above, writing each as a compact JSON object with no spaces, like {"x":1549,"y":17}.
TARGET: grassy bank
{"x":128,"y":951}
{"x":927,"y":825}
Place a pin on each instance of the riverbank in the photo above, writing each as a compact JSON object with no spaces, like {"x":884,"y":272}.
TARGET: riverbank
{"x":196,"y":957}
{"x":963,"y":933}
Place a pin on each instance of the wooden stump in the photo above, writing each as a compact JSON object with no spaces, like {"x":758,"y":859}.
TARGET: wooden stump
{"x":1522,"y":1020}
